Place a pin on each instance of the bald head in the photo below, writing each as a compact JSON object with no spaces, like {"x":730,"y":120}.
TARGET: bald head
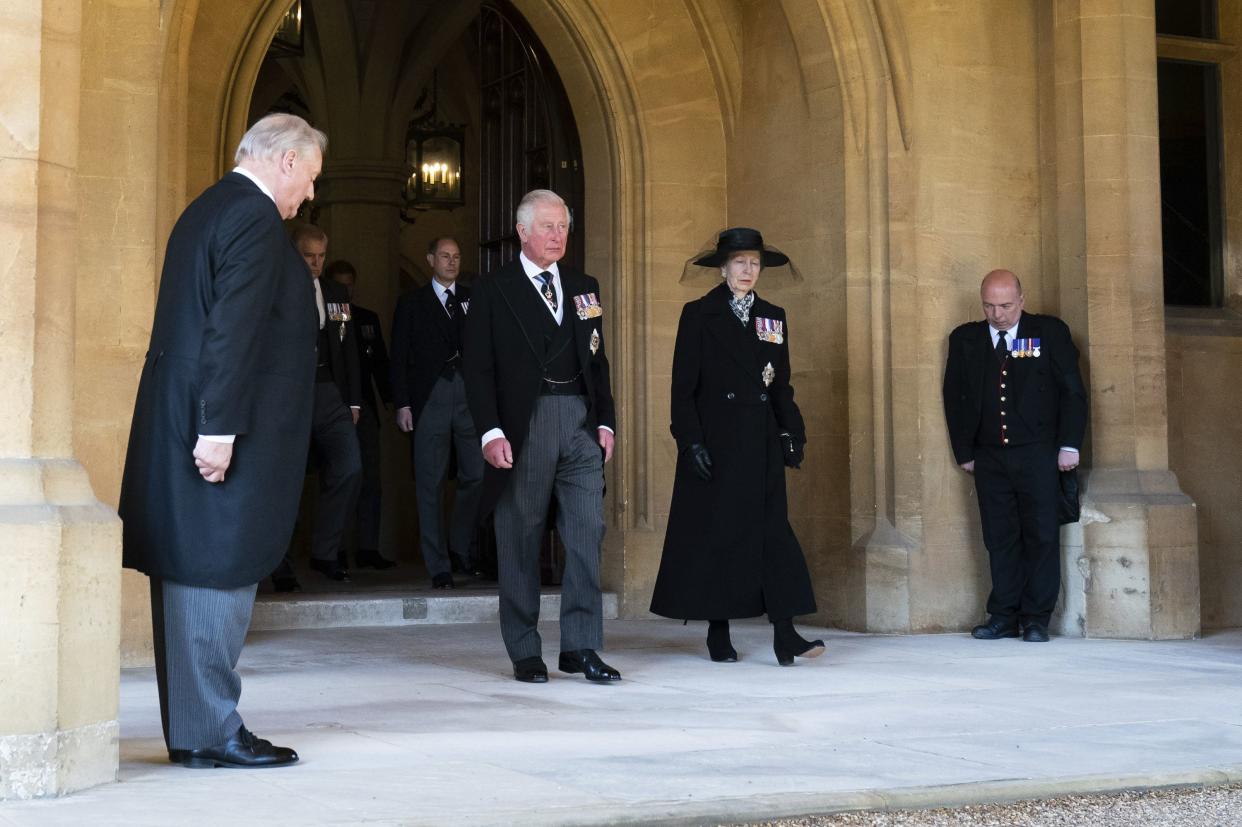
{"x":1001,"y":294}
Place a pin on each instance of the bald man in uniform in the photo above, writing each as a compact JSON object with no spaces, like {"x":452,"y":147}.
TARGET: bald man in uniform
{"x":1016,"y":409}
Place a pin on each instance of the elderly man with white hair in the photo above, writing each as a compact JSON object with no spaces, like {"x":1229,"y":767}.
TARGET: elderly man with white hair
{"x":220,"y":432}
{"x":539,"y":393}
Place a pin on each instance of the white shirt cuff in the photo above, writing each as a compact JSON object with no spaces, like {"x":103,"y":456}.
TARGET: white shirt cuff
{"x":1071,"y":450}
{"x":494,"y":433}
{"x":226,"y":438}
{"x":355,"y":407}
{"x":606,"y":428}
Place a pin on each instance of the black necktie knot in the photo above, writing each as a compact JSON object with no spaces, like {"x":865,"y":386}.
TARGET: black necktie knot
{"x":1002,"y":348}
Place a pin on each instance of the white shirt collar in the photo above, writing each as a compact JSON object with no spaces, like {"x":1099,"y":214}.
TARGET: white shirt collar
{"x":1010,"y":334}
{"x":262,"y":187}
{"x":533,"y":270}
{"x":441,"y":289}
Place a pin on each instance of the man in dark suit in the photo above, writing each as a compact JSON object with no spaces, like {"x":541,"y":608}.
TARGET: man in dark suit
{"x":539,"y":390}
{"x":431,"y":401}
{"x":217,"y":449}
{"x":337,"y":406}
{"x":1016,"y":410}
{"x":373,"y":376}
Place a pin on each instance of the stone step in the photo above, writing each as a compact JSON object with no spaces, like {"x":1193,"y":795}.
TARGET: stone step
{"x":415,"y":608}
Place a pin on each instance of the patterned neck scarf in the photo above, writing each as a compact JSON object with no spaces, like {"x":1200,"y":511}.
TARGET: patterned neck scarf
{"x":741,"y":307}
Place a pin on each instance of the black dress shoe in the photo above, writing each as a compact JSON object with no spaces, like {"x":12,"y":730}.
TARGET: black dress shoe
{"x":370,"y":558}
{"x":331,"y":569}
{"x":589,"y":664}
{"x":995,"y":629}
{"x":286,"y":584}
{"x":443,"y":580}
{"x":1035,"y":633}
{"x":243,"y":751}
{"x":530,"y":670}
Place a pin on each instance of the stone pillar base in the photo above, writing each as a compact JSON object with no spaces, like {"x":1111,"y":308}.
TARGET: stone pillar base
{"x":1131,"y":565}
{"x":60,"y":609}
{"x":881,"y":577}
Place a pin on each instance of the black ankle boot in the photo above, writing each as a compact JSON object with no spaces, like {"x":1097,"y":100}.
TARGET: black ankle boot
{"x":788,"y":644}
{"x":718,"y":644}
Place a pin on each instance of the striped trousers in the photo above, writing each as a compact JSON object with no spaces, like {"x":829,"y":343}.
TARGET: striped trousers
{"x":560,"y":458}
{"x":198,"y":634}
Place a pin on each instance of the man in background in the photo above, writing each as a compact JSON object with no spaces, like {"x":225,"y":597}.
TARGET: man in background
{"x":430,"y":396}
{"x":373,"y":376}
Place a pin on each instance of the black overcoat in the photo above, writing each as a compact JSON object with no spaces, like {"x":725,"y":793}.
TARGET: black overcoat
{"x":232,"y":352}
{"x":504,"y":361}
{"x":729,"y":550}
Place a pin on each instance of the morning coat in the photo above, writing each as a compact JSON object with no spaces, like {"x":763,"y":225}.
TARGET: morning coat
{"x":504,"y":361}
{"x":422,"y":343}
{"x":232,"y":351}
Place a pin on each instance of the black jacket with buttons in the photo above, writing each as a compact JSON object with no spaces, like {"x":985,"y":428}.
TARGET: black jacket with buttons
{"x":1045,"y":391}
{"x":729,"y":550}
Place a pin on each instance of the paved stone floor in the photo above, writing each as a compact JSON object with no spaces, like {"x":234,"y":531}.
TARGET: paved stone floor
{"x":424,"y":725}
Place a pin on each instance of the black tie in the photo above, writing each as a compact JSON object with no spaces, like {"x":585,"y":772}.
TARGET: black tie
{"x":1002,"y":350}
{"x":548,"y":292}
{"x":450,"y":303}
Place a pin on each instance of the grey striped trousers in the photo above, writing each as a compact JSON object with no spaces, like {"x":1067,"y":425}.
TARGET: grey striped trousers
{"x":560,"y":457}
{"x":198,"y":634}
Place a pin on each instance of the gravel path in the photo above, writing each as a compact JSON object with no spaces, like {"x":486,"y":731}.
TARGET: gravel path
{"x":1186,"y":807}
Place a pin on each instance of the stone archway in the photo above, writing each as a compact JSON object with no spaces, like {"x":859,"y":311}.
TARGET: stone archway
{"x":658,"y":126}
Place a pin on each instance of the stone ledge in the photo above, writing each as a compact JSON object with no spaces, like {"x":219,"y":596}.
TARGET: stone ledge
{"x":272,"y":613}
{"x":41,"y":764}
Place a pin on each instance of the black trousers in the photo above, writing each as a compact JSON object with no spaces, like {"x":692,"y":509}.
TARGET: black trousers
{"x":1018,"y":489}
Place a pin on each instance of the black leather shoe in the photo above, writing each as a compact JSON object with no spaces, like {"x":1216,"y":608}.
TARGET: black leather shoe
{"x":331,"y":569}
{"x":589,"y":664}
{"x":443,"y":580}
{"x":243,"y":751}
{"x":370,"y":558}
{"x":286,"y":584}
{"x":1035,"y":633}
{"x":995,"y":629}
{"x":530,"y":670}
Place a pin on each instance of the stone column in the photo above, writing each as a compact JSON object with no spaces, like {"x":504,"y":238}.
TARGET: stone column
{"x":1132,"y":564}
{"x":59,"y":547}
{"x":358,"y":203}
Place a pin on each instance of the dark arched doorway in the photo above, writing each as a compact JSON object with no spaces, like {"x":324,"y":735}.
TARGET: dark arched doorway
{"x":365,"y":72}
{"x":528,"y":138}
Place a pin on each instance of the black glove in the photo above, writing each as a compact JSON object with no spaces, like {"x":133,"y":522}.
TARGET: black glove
{"x":791,"y":451}
{"x":701,"y":461}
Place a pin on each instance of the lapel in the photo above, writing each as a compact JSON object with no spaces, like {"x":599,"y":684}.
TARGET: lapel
{"x":436,"y":311}
{"x":733,"y":337}
{"x":523,"y":302}
{"x":574,"y":285}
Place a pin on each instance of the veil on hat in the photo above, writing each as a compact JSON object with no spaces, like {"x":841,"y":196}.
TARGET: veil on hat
{"x":708,"y":274}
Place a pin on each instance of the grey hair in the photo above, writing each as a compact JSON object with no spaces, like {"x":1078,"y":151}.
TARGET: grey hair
{"x":274,"y":135}
{"x":525,"y":212}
